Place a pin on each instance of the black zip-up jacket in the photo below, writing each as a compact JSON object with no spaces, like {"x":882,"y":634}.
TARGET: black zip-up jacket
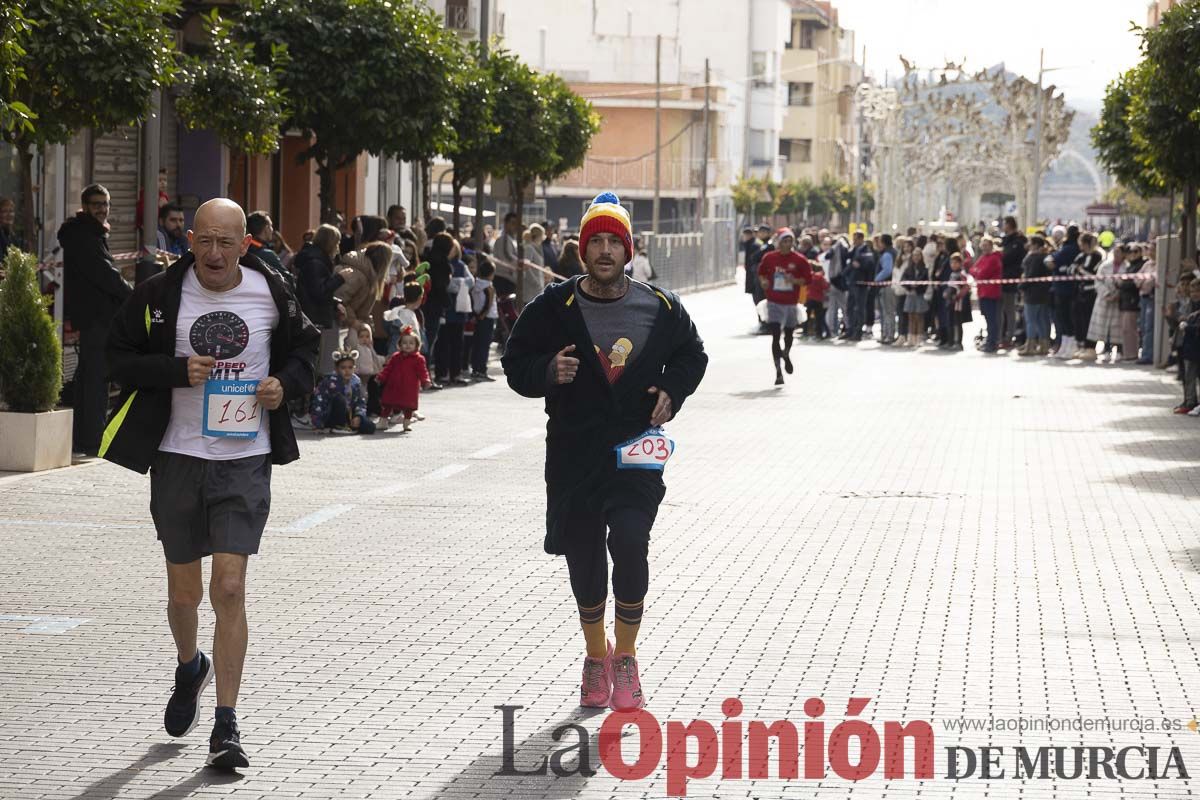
{"x":1013,"y":248}
{"x":1034,"y":266}
{"x":590,"y":416}
{"x":141,"y":358}
{"x":1087,"y":264}
{"x":93,"y":288}
{"x":316,"y":281}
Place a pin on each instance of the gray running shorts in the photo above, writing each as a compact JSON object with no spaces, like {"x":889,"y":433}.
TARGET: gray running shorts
{"x":201,"y":507}
{"x":782,"y":314}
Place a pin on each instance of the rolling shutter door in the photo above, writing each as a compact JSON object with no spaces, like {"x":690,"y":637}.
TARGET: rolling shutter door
{"x":115,"y":166}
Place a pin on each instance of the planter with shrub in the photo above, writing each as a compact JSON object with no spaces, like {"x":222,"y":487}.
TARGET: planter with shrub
{"x":33,"y":435}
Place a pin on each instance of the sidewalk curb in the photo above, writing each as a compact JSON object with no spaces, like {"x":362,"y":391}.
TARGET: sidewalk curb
{"x":24,"y":476}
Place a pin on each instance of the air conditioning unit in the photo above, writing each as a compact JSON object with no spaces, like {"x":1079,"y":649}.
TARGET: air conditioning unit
{"x":463,"y":16}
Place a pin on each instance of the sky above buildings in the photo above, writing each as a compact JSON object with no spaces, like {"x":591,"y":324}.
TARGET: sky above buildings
{"x":1089,"y":40}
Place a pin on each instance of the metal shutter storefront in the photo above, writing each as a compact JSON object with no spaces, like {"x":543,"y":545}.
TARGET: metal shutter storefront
{"x":115,"y":166}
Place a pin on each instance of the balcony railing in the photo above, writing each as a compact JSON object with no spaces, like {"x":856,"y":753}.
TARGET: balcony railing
{"x":677,"y":174}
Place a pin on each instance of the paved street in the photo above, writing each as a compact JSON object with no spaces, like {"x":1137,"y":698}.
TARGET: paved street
{"x":951,"y":536}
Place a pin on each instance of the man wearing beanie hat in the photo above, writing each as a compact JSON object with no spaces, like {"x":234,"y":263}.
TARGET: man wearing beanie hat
{"x":614,"y":359}
{"x":782,"y":273}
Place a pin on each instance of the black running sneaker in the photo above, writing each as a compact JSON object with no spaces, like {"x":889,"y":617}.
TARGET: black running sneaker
{"x":787,"y":363}
{"x":779,"y":379}
{"x":225,"y":746}
{"x":183,"y":709}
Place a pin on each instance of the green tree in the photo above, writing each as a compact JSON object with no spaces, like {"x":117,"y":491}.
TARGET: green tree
{"x":789,"y":199}
{"x":225,"y":91}
{"x":573,"y":123}
{"x":753,"y":196}
{"x":525,"y":142}
{"x":472,"y":113}
{"x":1158,"y":105}
{"x":85,"y":64}
{"x":14,"y":31}
{"x":1113,"y":136}
{"x":30,"y":355}
{"x":360,"y":75}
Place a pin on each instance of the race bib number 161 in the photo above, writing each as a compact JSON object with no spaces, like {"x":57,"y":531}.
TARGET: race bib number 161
{"x":231,"y":409}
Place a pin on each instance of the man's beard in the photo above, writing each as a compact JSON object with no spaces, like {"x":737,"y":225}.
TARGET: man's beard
{"x":617,"y":277}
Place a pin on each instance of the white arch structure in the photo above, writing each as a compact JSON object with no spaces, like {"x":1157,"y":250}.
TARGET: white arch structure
{"x":1097,"y":181}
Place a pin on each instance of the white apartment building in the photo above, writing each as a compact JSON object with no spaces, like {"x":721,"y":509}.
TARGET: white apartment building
{"x":606,"y":50}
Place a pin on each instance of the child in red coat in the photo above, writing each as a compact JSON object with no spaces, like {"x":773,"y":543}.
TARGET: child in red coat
{"x":402,"y":378}
{"x":818,"y":287}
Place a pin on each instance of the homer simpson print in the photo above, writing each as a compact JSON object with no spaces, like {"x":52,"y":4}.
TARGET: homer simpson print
{"x":614,"y":362}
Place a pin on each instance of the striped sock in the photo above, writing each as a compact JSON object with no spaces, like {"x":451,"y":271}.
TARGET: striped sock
{"x":629,"y":619}
{"x":592,"y":622}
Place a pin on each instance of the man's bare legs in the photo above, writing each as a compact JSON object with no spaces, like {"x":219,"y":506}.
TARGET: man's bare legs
{"x":227,"y":592}
{"x":185,"y":590}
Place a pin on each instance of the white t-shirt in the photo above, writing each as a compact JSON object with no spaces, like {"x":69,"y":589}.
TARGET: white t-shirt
{"x":234,"y":327}
{"x":479,"y":296}
{"x":406,"y":317}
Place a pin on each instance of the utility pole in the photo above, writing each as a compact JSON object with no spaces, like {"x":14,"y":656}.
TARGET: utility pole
{"x":152,"y":142}
{"x":703,"y":207}
{"x":483,"y":54}
{"x":1032,"y":212}
{"x":858,"y":120}
{"x":657,"y":127}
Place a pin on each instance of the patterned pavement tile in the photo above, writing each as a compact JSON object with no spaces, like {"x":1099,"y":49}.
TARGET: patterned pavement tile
{"x":953,"y":536}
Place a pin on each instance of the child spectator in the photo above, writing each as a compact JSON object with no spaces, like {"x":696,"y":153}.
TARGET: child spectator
{"x":957,"y":296}
{"x":339,"y":402}
{"x":367,"y":367}
{"x":1129,"y":302}
{"x":818,"y":287}
{"x":483,"y":301}
{"x":404,"y":313}
{"x":1036,"y":294}
{"x":1173,"y":314}
{"x":402,"y":378}
{"x":1189,"y":352}
{"x":916,"y":302}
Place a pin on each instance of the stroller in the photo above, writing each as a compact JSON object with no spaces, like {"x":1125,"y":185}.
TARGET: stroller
{"x":506,"y":307}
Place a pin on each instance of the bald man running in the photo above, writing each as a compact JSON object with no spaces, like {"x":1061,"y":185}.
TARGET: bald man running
{"x":207,"y":353}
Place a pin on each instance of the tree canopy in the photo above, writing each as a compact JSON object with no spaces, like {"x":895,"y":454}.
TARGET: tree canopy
{"x":225,"y":91}
{"x":90,"y":64}
{"x":371,"y":76}
{"x":1149,"y":130}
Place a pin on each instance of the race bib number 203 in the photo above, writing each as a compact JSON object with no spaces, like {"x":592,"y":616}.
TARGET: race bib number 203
{"x":231,"y":409}
{"x":651,"y":450}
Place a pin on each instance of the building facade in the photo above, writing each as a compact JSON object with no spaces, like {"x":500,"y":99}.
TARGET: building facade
{"x":607,"y":52}
{"x":819,"y":75}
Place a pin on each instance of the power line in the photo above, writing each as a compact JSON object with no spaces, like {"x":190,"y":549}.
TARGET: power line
{"x":714,"y":85}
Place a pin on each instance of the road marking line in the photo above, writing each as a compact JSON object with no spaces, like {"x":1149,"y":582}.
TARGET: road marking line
{"x":44,"y":624}
{"x":445,"y":472}
{"x":437,"y":475}
{"x":69,"y":524}
{"x":494,"y":450}
{"x":310,"y":521}
{"x":532,"y":433}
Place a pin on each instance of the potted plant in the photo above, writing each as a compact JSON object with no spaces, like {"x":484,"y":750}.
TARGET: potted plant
{"x":33,"y":435}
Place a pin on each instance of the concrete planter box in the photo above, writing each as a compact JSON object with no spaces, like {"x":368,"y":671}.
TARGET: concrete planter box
{"x":34,"y":442}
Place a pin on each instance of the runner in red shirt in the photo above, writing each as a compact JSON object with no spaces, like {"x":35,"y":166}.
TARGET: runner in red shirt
{"x":782,"y":272}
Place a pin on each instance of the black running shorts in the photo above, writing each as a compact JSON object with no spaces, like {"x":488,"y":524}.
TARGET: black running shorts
{"x":201,"y":507}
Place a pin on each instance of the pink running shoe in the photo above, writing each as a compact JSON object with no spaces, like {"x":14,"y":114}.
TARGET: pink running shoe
{"x":596,"y":690}
{"x":627,"y":686}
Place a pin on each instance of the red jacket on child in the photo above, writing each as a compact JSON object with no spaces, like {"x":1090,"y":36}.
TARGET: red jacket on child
{"x":402,"y":378}
{"x":817,"y":287}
